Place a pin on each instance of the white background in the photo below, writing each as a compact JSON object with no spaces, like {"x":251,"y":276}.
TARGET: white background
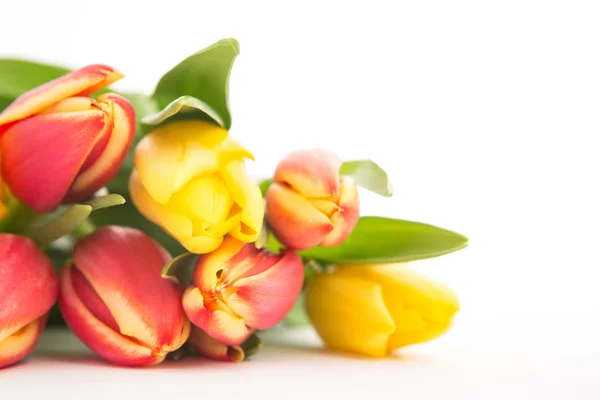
{"x":483,"y":112}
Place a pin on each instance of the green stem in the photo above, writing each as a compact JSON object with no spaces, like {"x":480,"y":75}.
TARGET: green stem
{"x":16,"y":215}
{"x":86,"y":228}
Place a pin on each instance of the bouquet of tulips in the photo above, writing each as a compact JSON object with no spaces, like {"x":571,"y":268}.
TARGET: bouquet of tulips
{"x":132,"y":219}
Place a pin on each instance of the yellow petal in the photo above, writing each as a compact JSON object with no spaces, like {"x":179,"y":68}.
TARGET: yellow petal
{"x":168,"y":157}
{"x":205,"y":273}
{"x":349,"y":314}
{"x":177,"y":225}
{"x":246,"y":194}
{"x":422,"y":335}
{"x":204,"y":197}
{"x":421,"y":307}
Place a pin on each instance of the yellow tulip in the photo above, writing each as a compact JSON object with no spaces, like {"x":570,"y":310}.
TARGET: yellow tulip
{"x":191,"y":180}
{"x":376,"y":309}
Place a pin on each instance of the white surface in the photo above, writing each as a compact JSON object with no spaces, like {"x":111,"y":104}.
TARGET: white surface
{"x":292,"y":365}
{"x":484,"y":113}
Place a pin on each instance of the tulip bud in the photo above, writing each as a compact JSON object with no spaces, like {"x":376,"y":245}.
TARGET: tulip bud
{"x":28,"y":289}
{"x":239,"y":288}
{"x":308,"y":203}
{"x":190,"y":179}
{"x":59,"y":145}
{"x":115,"y":301}
{"x":375,"y":309}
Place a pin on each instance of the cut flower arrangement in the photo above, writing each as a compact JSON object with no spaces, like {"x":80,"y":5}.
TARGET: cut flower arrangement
{"x":132,"y":220}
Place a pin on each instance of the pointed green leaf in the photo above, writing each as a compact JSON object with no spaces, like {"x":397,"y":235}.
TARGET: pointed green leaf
{"x":49,"y":227}
{"x":181,"y":269}
{"x":368,"y":175}
{"x":19,"y":76}
{"x":385,"y":240}
{"x":105,"y":201}
{"x":204,"y":76}
{"x":184,"y":107}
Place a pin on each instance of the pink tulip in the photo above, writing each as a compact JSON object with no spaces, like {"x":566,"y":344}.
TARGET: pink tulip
{"x":239,"y":288}
{"x":114,"y":298}
{"x":28,"y":289}
{"x":60,"y":145}
{"x":309,"y":203}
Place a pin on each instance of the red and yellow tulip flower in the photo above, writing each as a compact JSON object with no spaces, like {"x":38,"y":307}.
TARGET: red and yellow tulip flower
{"x":28,"y":289}
{"x":239,"y":288}
{"x":60,"y":145}
{"x":191,"y":180}
{"x":309,"y":203}
{"x":375,"y":309}
{"x":114,"y":299}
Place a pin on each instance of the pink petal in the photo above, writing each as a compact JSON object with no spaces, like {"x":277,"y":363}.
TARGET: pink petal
{"x":81,"y":82}
{"x":104,"y":162}
{"x":42,"y":155}
{"x":123,"y":265}
{"x":264,"y":299}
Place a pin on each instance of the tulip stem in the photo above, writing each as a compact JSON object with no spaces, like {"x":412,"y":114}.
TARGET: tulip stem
{"x":86,"y":228}
{"x":16,"y":214}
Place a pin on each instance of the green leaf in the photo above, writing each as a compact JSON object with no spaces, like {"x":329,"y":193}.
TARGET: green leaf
{"x":181,"y":268}
{"x":185,"y":106}
{"x":385,"y":240}
{"x":19,"y":76}
{"x":105,"y":201}
{"x":49,"y":227}
{"x":264,"y":186}
{"x":203,"y":76}
{"x":368,"y":175}
{"x":297,"y":316}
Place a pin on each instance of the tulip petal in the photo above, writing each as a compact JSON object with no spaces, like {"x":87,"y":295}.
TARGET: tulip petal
{"x":80,"y":82}
{"x":295,"y":221}
{"x":213,"y":349}
{"x":346,"y":218}
{"x":20,"y":343}
{"x":421,"y":335}
{"x":144,"y":305}
{"x":107,"y":163}
{"x":170,"y":156}
{"x":408,"y":289}
{"x":205,"y":271}
{"x":43,"y":154}
{"x":247,"y":196}
{"x":177,"y":225}
{"x":204,"y":198}
{"x":220,"y":324}
{"x":96,"y":335}
{"x":265,"y":298}
{"x":28,"y":287}
{"x":313,"y":173}
{"x":421,"y":307}
{"x":91,"y":300}
{"x":349,"y":314}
